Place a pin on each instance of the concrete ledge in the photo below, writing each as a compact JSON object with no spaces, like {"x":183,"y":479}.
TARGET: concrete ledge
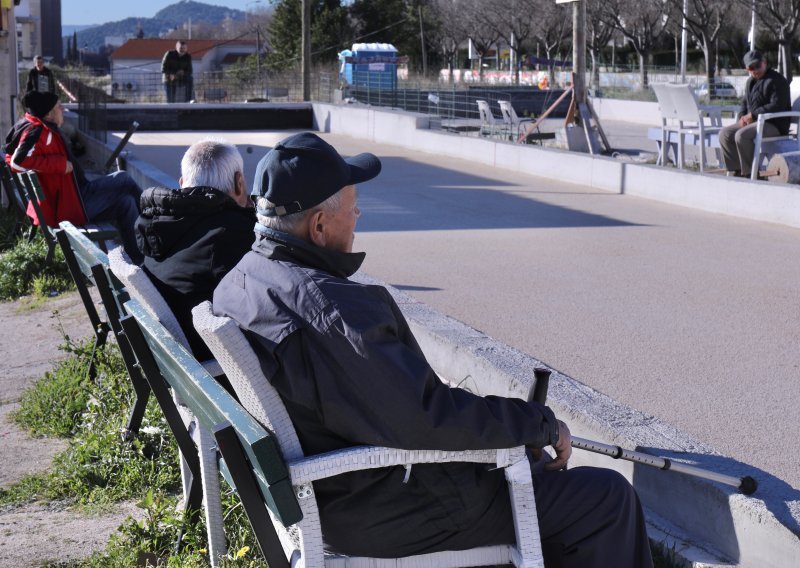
{"x":756,"y":200}
{"x":712,"y":524}
{"x":207,"y":116}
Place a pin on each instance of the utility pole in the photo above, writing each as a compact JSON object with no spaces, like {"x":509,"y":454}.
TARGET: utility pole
{"x":306,"y":58}
{"x":422,"y":41}
{"x":684,"y":42}
{"x":753,"y":26}
{"x":579,"y":50}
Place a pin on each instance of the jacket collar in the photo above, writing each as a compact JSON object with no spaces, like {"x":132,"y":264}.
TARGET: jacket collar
{"x":277,"y":245}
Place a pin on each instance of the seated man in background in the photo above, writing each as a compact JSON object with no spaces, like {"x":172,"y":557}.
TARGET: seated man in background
{"x":350,"y":372}
{"x":36,"y":143}
{"x":192,"y":237}
{"x":766,"y":91}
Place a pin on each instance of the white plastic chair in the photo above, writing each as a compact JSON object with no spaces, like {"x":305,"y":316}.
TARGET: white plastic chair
{"x":765,"y":147}
{"x":141,"y":288}
{"x":490,"y":126}
{"x":691,"y":119}
{"x":668,"y":116}
{"x":302,"y":542}
{"x":513,"y":122}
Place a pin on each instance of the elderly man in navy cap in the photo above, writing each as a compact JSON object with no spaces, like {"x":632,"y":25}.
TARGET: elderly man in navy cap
{"x":766,"y":91}
{"x":350,"y":372}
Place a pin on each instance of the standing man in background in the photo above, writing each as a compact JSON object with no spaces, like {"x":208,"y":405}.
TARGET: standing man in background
{"x":176,"y":68}
{"x":40,"y":78}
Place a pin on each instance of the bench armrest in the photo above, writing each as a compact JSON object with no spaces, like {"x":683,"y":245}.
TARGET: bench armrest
{"x":321,"y":466}
{"x":771,"y":115}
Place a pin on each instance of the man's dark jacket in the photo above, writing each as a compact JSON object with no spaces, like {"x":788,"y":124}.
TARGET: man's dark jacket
{"x":190,"y":239}
{"x":33,"y":80}
{"x":342,"y":357}
{"x":768,"y":94}
{"x":175,"y":63}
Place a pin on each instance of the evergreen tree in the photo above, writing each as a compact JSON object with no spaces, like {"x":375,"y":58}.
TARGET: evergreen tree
{"x":396,"y":22}
{"x":75,"y":56}
{"x":330,"y":33}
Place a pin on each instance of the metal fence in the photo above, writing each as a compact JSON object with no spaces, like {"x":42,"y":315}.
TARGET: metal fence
{"x":237,"y":85}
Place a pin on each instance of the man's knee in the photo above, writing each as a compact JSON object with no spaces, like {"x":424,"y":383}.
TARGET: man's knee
{"x":728,"y":132}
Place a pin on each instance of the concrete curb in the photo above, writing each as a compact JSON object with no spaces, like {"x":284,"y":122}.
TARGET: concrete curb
{"x":701,"y":522}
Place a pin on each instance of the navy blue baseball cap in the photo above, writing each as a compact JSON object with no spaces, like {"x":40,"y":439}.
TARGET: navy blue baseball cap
{"x":303,"y":170}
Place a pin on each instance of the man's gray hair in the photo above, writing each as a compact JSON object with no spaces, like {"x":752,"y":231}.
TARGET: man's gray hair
{"x":212,"y":162}
{"x":290,"y":223}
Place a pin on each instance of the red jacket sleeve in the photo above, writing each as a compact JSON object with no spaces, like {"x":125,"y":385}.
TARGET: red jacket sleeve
{"x":38,"y":150}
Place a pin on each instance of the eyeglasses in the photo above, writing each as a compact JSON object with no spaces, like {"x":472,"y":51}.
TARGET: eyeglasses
{"x":754,"y":67}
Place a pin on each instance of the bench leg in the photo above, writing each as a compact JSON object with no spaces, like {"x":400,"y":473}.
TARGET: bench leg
{"x":250,"y":495}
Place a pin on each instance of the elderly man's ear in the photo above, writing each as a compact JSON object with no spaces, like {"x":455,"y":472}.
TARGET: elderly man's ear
{"x":240,"y":194}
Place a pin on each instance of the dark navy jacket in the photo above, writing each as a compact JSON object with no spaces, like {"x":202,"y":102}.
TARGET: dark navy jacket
{"x":768,"y":94}
{"x":343,"y":359}
{"x":190,"y":239}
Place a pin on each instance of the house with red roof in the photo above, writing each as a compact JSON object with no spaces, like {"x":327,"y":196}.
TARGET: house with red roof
{"x":136,"y":65}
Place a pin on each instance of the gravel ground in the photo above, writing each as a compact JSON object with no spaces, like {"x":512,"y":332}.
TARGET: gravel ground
{"x":39,"y":533}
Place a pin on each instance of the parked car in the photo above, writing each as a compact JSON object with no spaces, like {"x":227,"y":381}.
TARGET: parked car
{"x":722,"y":90}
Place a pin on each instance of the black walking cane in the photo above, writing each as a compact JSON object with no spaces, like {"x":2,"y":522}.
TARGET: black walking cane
{"x":746,"y":485}
{"x":118,"y":150}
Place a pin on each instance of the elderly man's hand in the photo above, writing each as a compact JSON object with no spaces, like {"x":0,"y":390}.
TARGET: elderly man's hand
{"x":563,"y":449}
{"x":746,"y":119}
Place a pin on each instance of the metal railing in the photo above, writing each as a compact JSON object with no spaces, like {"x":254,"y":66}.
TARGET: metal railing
{"x":237,"y":85}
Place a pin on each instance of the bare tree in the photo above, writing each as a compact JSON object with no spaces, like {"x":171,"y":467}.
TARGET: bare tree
{"x":513,"y":20}
{"x":781,"y":18}
{"x":642,"y":23}
{"x":553,"y":26}
{"x":705,"y":20}
{"x":598,"y":33}
{"x":450,"y":31}
{"x":476,"y":14}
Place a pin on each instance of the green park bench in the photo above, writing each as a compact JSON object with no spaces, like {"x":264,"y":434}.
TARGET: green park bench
{"x":98,"y":232}
{"x":89,"y":266}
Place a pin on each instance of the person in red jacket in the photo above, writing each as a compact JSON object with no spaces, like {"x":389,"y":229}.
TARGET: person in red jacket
{"x":36,"y":143}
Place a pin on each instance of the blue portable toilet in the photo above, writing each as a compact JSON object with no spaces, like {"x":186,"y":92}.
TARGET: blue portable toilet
{"x":372,"y":65}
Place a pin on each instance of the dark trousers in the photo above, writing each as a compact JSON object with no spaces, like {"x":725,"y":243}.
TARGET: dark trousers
{"x":115,"y":197}
{"x":738,"y":145}
{"x":590,"y":518}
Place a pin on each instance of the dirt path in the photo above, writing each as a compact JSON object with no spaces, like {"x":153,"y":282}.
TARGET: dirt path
{"x":36,"y":534}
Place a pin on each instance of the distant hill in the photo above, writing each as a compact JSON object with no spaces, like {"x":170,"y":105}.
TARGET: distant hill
{"x":166,"y":19}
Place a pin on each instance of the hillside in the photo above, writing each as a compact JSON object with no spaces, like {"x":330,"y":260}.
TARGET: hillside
{"x":166,"y":19}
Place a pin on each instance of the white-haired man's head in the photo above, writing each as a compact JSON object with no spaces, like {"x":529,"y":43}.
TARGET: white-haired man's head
{"x":214,"y":162}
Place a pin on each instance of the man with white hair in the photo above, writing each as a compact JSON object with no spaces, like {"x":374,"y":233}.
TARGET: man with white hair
{"x":193,"y":236}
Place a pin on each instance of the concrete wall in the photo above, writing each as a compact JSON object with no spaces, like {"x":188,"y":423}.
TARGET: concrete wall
{"x":756,"y":200}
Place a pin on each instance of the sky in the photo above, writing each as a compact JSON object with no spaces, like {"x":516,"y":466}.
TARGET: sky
{"x":85,"y":12}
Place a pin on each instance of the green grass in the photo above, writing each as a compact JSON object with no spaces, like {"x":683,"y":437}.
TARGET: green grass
{"x":23,"y":270}
{"x":97,"y":468}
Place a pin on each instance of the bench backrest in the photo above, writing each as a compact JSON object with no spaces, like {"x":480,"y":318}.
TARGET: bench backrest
{"x":215,"y":409}
{"x":13,"y":190}
{"x":87,"y":254}
{"x":141,"y":288}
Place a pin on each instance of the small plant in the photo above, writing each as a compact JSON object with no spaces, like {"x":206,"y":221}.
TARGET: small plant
{"x":22,"y":264}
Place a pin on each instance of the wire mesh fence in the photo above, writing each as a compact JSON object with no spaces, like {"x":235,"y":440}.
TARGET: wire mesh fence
{"x":236,"y":85}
